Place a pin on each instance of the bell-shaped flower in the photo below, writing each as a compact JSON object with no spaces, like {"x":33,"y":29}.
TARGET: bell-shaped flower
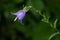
{"x":21,"y":13}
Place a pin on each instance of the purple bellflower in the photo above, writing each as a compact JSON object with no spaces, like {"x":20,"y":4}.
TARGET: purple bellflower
{"x":21,"y":13}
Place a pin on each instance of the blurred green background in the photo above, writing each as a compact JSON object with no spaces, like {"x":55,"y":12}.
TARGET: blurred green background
{"x":42,"y":21}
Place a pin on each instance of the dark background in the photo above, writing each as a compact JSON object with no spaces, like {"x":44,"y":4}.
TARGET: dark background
{"x":42,"y":21}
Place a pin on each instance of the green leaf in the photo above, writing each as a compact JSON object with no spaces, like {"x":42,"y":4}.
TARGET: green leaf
{"x":55,"y":23}
{"x":42,"y":31}
{"x":53,"y":35}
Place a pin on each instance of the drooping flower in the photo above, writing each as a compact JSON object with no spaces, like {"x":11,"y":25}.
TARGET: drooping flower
{"x":21,"y":13}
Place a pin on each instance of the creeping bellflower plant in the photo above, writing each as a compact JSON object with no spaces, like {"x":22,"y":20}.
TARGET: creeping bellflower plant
{"x":21,"y":13}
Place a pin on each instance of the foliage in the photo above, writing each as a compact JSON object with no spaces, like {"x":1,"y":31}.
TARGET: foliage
{"x":42,"y":21}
